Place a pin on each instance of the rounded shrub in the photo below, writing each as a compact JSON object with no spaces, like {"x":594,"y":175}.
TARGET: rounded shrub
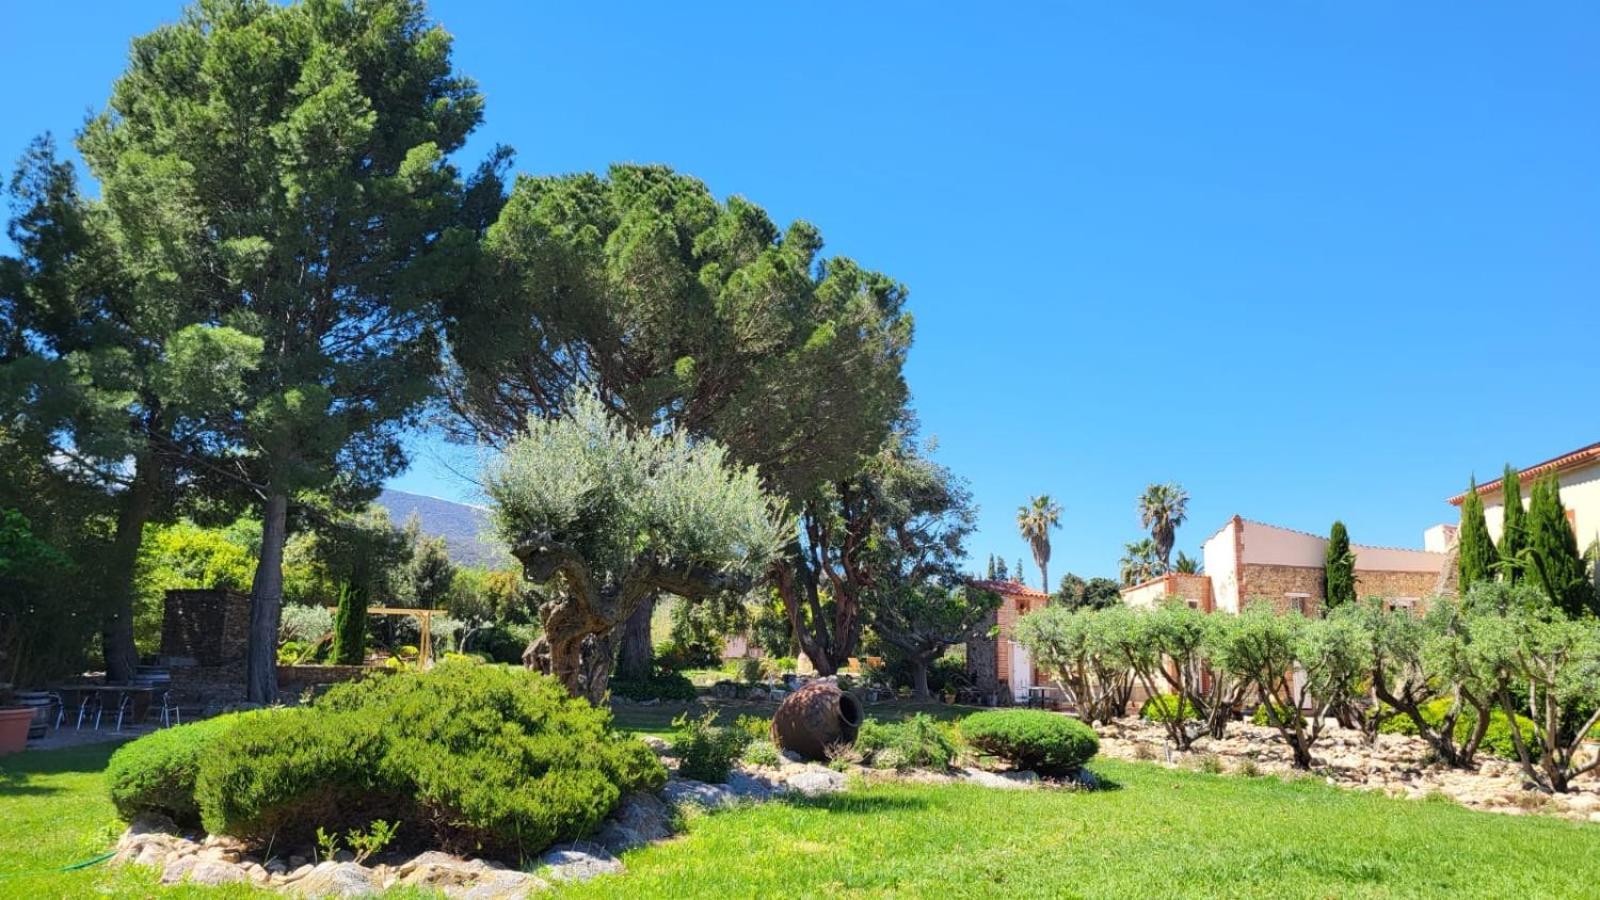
{"x":1164,"y":708}
{"x":469,"y":756}
{"x":156,"y":773}
{"x":1046,"y":742}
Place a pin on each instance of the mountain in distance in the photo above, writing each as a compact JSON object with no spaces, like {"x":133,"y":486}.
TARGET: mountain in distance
{"x":467,"y":530}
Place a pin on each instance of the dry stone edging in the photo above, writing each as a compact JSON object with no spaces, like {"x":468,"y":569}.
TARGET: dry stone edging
{"x":639,"y":819}
{"x":1392,"y":765}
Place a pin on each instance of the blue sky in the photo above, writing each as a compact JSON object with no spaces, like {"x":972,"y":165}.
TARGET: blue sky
{"x":1311,"y":260}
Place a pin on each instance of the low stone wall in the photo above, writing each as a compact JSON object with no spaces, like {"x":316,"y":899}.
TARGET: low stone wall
{"x":294,"y":681}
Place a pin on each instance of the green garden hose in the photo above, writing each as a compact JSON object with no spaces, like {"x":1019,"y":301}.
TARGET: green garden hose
{"x":71,"y":868}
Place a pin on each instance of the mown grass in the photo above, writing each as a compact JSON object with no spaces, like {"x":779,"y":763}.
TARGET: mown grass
{"x":1160,"y":833}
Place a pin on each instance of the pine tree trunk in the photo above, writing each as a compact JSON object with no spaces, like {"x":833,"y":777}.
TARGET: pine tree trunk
{"x":637,"y":657}
{"x":266,"y":603}
{"x":138,"y":504}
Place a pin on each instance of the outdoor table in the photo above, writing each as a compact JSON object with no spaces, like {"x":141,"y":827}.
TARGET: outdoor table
{"x":125,"y":694}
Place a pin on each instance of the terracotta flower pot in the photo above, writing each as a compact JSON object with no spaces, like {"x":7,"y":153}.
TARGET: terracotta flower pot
{"x":14,"y":722}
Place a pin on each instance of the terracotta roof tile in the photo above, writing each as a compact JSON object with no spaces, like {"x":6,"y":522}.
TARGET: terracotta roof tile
{"x":1577,"y":457}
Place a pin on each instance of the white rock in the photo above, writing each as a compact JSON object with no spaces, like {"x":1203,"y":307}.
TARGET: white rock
{"x":336,"y":879}
{"x":817,"y":781}
{"x":680,"y":791}
{"x":578,"y":862}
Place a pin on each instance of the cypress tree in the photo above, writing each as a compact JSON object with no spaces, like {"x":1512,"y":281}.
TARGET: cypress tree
{"x":1339,"y":568}
{"x":1514,"y":532}
{"x":990,"y":576}
{"x":1021,"y":573}
{"x":1551,"y":558}
{"x":1476,"y":556}
{"x":350,"y":627}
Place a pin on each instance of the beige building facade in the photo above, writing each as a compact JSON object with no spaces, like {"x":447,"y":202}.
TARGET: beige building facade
{"x":1578,"y":476}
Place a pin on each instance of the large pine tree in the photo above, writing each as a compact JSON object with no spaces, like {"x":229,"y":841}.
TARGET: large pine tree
{"x":1514,"y":533}
{"x":1340,"y":568}
{"x":1476,"y":557}
{"x":1551,"y":559}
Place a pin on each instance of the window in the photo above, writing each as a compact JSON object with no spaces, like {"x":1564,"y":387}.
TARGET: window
{"x":1300,"y":603}
{"x":1409,"y":604}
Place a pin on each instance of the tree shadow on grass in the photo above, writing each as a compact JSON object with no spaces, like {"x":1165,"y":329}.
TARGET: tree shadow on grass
{"x":1102,"y":783}
{"x":856,"y":804}
{"x":20,"y":773}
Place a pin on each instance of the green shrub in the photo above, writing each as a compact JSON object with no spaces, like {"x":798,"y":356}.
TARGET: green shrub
{"x":763,"y":753}
{"x":488,"y":758}
{"x":156,"y":773}
{"x":919,"y":742}
{"x":1261,"y":716}
{"x":706,"y":751}
{"x":1045,"y":742}
{"x":1164,"y":708}
{"x":750,"y":670}
{"x":1496,"y":741}
{"x":661,"y":686}
{"x":755,"y":728}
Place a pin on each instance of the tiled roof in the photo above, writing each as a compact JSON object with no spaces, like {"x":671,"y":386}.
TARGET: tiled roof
{"x":1009,"y":588}
{"x":1579,"y":457}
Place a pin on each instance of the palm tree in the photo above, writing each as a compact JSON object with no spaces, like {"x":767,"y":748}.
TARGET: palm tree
{"x":1035,"y":521}
{"x":1162,"y":508}
{"x":1141,"y":561}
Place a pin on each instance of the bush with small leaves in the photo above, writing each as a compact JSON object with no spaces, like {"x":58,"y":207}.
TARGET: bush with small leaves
{"x":156,"y":773}
{"x":920,"y":742}
{"x":1045,"y":742}
{"x":487,"y":758}
{"x":1164,"y":708}
{"x":763,"y":753}
{"x":1264,"y":715}
{"x":1209,"y":763}
{"x":706,"y":751}
{"x":660,"y":686}
{"x":1497,"y":738}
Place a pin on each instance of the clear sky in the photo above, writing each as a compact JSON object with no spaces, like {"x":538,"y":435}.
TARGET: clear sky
{"x":1311,"y":260}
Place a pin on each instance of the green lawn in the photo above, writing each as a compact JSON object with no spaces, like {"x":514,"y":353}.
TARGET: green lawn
{"x":1160,"y":833}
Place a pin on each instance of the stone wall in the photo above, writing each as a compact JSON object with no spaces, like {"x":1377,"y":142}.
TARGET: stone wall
{"x":205,"y":627}
{"x":294,"y":681}
{"x":1276,"y":583}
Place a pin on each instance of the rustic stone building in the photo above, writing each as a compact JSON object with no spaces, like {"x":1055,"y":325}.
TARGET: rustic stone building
{"x":998,"y":665}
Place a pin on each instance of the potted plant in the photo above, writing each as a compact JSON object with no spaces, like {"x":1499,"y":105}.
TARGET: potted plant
{"x":14,"y":722}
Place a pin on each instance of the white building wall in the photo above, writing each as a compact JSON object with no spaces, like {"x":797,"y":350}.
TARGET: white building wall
{"x":1222,"y":567}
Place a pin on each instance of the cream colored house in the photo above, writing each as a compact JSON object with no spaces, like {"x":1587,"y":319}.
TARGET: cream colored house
{"x":1578,"y":475}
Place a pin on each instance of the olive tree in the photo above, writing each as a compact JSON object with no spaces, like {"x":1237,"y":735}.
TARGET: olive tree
{"x":1411,"y":661}
{"x":1549,"y":665}
{"x":1184,"y":642}
{"x":603,"y":515}
{"x":1084,"y":654}
{"x":1295,"y":664}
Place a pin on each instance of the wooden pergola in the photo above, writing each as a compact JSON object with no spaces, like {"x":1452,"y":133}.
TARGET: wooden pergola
{"x":423,"y":616}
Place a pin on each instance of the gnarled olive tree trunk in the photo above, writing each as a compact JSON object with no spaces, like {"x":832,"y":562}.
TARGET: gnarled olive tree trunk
{"x":582,"y":621}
